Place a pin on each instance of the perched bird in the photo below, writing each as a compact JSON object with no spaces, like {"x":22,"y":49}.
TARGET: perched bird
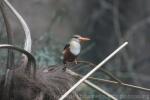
{"x":72,"y":49}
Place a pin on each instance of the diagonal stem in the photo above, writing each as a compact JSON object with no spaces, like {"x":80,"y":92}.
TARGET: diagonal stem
{"x":104,"y":71}
{"x":91,"y":84}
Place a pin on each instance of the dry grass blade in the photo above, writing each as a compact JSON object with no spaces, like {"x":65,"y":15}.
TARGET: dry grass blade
{"x":28,"y":41}
{"x":10,"y":57}
{"x":26,"y":29}
{"x":30,"y":57}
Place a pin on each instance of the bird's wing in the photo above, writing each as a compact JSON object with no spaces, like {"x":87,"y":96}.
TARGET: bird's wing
{"x":66,"y":46}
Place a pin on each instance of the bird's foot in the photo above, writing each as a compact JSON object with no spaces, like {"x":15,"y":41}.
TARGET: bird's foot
{"x":65,"y":67}
{"x":76,"y":62}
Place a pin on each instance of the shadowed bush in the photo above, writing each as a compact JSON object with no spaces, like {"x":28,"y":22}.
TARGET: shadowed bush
{"x":48,"y":85}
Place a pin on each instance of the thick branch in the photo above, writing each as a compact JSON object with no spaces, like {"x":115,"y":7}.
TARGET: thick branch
{"x":10,"y":58}
{"x":28,"y":41}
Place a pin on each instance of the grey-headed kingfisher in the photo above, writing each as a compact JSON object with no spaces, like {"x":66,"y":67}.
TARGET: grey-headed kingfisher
{"x":72,"y":49}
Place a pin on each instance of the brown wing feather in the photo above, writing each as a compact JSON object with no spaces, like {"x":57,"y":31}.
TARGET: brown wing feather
{"x":68,"y":56}
{"x":66,"y":46}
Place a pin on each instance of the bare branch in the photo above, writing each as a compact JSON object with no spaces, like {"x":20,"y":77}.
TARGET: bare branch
{"x":100,"y":90}
{"x":104,"y":71}
{"x":31,"y":59}
{"x":122,"y":84}
{"x":28,"y":41}
{"x":10,"y":56}
{"x":91,"y":85}
{"x":110,"y":82}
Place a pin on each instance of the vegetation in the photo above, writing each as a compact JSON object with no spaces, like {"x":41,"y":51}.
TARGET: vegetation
{"x":109,"y":23}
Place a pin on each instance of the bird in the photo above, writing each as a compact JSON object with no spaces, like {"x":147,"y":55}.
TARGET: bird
{"x":72,"y":49}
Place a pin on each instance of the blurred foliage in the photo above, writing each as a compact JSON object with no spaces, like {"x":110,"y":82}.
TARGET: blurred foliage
{"x":45,"y":57}
{"x":48,"y":54}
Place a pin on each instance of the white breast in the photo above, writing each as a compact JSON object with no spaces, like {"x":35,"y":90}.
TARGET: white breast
{"x":75,"y":47}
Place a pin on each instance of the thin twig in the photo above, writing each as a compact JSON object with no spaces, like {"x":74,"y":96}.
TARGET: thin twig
{"x":104,"y":71}
{"x":99,"y":89}
{"x":93,"y":70}
{"x":122,"y":84}
{"x":109,"y":81}
{"x":30,"y":60}
{"x":91,"y":84}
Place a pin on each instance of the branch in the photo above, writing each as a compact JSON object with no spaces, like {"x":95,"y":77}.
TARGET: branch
{"x":110,"y":82}
{"x":91,"y":84}
{"x":31,"y":59}
{"x":100,"y":90}
{"x":122,"y":84}
{"x":104,"y":71}
{"x":28,"y":41}
{"x":92,"y":71}
{"x":10,"y":56}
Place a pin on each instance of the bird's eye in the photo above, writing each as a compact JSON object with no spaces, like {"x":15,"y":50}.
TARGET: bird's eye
{"x":75,"y":37}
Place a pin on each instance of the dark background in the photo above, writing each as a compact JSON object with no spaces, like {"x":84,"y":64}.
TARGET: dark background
{"x":108,"y":23}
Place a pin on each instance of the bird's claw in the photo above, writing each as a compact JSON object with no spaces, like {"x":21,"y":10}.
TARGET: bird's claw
{"x":64,"y":68}
{"x":76,"y":62}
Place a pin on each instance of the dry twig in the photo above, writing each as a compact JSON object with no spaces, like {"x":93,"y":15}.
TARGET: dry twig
{"x":104,"y":71}
{"x":28,"y":41}
{"x":91,"y":84}
{"x":110,"y":82}
{"x":30,"y":57}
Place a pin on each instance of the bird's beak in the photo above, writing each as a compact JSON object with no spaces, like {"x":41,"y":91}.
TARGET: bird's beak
{"x":84,"y":39}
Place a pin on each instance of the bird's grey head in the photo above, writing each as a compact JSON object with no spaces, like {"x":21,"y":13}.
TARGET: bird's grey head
{"x":76,"y":38}
{"x":79,"y":38}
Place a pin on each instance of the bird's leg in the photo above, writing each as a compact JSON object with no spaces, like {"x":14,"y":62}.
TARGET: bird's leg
{"x":65,"y":67}
{"x":76,"y":62}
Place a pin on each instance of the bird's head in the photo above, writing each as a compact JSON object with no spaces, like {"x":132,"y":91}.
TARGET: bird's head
{"x":79,"y":38}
